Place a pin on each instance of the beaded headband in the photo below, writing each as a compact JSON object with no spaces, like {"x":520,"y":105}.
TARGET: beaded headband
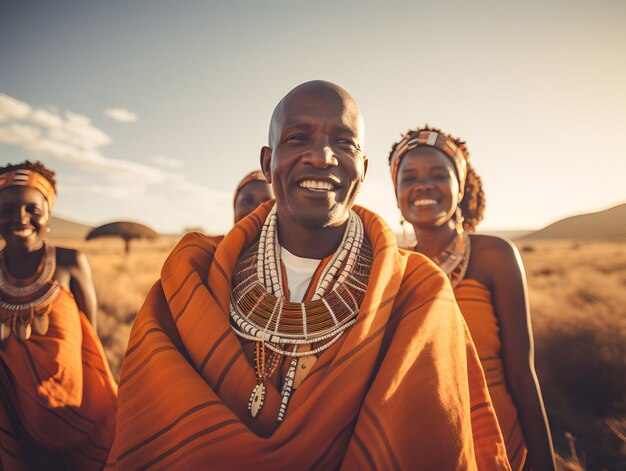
{"x":30,"y":178}
{"x":254,"y":176}
{"x":454,"y":149}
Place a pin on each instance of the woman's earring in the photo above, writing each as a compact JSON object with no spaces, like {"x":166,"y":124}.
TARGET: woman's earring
{"x":405,"y":238}
{"x":459,"y":220}
{"x":47,"y":229}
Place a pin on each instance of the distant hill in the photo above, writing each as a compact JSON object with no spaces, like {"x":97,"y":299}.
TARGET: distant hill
{"x":511,"y":235}
{"x":602,"y":225}
{"x":60,"y":227}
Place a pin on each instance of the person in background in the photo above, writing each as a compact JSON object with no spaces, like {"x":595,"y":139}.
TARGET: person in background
{"x":250,"y":193}
{"x":441,"y":196}
{"x":57,"y":394}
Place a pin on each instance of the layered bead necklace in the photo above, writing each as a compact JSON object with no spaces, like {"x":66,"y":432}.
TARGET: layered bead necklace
{"x":260,"y":312}
{"x":25,"y":304}
{"x":454,"y":259}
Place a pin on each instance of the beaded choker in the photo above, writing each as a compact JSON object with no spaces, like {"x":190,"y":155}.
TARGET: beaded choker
{"x":260,"y":312}
{"x":25,"y":304}
{"x":454,"y":259}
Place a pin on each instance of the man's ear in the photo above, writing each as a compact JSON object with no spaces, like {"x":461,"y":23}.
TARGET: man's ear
{"x":365,"y":162}
{"x":266,"y":163}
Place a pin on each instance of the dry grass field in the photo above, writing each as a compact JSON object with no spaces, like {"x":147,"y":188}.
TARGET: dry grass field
{"x":578,"y":300}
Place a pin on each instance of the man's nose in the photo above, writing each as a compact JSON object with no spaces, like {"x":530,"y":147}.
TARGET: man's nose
{"x":322,"y":156}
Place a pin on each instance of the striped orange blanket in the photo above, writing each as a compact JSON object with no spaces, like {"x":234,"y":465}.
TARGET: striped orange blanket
{"x":402,"y":389}
{"x":57,"y":396}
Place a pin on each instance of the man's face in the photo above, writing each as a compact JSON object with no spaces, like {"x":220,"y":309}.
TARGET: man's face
{"x":315,"y":165}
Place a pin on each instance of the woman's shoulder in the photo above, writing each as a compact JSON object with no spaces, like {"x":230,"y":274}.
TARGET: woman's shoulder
{"x":492,"y":246}
{"x":491,"y":257}
{"x":70,"y":258}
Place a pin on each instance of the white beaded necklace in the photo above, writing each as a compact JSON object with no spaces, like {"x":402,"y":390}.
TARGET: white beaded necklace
{"x":23,"y":308}
{"x":49,"y":267}
{"x":352,"y":258}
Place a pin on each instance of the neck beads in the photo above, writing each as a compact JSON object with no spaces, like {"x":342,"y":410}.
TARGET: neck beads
{"x":26,"y":303}
{"x":260,"y":312}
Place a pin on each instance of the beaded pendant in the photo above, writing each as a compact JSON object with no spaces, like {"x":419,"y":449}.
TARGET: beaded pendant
{"x":256,"y":399}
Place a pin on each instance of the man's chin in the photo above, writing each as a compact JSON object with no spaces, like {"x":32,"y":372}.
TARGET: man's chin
{"x":317,"y":218}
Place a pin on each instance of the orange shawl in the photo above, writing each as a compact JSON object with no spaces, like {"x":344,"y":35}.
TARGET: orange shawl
{"x":57,"y":396}
{"x":392,"y":393}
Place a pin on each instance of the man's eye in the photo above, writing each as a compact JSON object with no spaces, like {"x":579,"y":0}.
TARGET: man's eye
{"x":441,"y":176}
{"x":296,"y":138}
{"x":347,"y":143}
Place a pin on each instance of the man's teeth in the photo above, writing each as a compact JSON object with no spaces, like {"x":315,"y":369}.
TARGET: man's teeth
{"x":316,"y":185}
{"x":424,"y":202}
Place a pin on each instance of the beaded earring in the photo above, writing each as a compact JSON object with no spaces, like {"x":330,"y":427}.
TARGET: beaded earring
{"x":459,"y":220}
{"x":405,"y":237}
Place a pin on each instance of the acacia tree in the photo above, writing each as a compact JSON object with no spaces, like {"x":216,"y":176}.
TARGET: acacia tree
{"x":125,"y":230}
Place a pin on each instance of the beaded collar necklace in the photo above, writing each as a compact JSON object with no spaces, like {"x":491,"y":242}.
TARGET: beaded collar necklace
{"x":260,"y":312}
{"x":454,"y":259}
{"x":25,"y":304}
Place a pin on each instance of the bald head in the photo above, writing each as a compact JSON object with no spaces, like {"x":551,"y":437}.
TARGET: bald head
{"x":314,"y":160}
{"x":301,"y":99}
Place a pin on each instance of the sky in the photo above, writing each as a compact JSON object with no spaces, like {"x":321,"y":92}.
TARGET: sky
{"x":153,"y":110}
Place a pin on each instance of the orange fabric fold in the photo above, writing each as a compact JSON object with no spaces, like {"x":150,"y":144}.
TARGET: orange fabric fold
{"x":475,"y":302}
{"x":393,"y":393}
{"x":57,"y":396}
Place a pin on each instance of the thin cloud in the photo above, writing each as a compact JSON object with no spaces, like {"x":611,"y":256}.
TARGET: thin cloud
{"x":166,"y":162}
{"x":70,"y":137}
{"x":17,"y":133}
{"x":121,"y":114}
{"x":46,"y":119}
{"x":126,"y":185}
{"x":10,"y":108}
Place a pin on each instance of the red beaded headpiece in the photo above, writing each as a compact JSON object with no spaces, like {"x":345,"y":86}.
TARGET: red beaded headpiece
{"x":451,"y":147}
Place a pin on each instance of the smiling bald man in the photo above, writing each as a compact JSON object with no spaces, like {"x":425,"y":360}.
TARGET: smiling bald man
{"x":305,"y":339}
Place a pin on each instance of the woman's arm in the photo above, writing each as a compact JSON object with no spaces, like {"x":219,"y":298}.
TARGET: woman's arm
{"x":508,"y":286}
{"x":81,"y":285}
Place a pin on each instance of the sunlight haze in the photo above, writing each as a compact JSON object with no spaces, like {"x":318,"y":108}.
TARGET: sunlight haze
{"x":153,"y":111}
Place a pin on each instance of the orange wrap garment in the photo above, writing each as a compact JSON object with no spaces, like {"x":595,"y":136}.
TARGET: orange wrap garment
{"x":474,"y":300}
{"x":57,"y":396}
{"x":392,"y":393}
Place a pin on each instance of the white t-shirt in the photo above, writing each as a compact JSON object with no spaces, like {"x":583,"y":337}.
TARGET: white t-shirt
{"x":299,"y":273}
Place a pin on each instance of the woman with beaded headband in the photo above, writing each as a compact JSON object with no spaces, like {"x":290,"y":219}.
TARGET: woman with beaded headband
{"x":57,"y":394}
{"x":441,"y":196}
{"x":251,"y":191}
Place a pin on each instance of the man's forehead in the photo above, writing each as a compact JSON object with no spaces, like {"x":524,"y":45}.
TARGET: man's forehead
{"x":309,"y":100}
{"x":315,"y":101}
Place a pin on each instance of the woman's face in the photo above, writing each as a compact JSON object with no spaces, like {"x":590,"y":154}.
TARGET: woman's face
{"x":250,"y":197}
{"x":427,"y":188}
{"x":24,"y":216}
